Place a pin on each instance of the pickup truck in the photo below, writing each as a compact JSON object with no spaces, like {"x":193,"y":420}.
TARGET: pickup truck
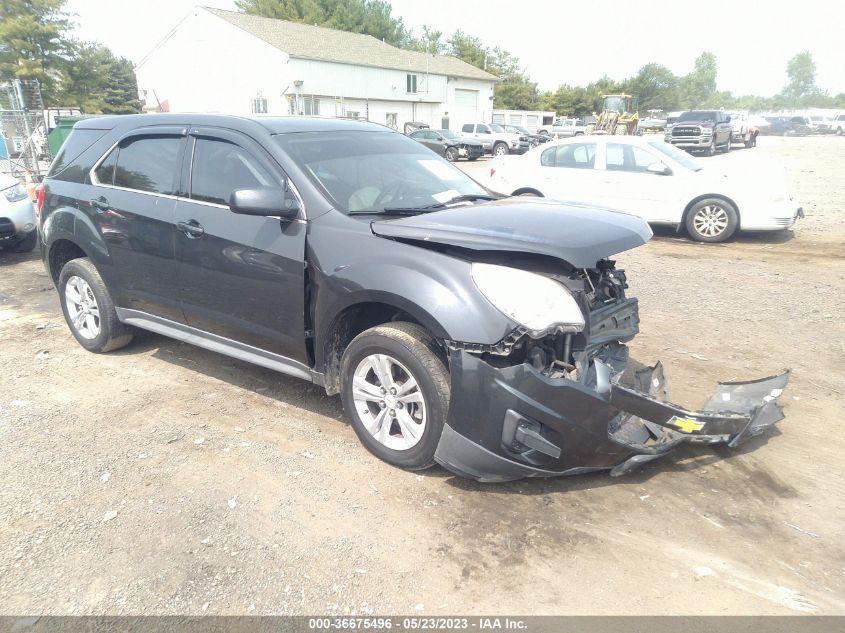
{"x":743,"y":130}
{"x":495,"y":139}
{"x":707,"y":130}
{"x":564,"y":128}
{"x":837,"y":126}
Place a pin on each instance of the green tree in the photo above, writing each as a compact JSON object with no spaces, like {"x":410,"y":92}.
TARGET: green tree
{"x":34,"y":43}
{"x":99,"y":83}
{"x":699,"y":86}
{"x":656,"y":86}
{"x":121,"y":89}
{"x":369,"y":17}
{"x":429,"y":42}
{"x":801,"y":89}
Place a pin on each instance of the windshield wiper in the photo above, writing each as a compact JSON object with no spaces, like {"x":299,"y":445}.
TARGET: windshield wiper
{"x":441,"y":205}
{"x":429,"y":207}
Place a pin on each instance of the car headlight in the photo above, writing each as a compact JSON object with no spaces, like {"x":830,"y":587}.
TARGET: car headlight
{"x":536,"y":302}
{"x":14,"y":193}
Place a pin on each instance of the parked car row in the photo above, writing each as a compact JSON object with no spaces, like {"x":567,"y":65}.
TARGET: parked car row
{"x":484,"y":333}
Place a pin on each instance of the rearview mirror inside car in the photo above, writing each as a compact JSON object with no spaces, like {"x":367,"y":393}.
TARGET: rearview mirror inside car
{"x":265,"y":201}
{"x":659,"y":169}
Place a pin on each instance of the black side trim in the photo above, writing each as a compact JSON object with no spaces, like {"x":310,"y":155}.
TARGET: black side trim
{"x":219,"y":344}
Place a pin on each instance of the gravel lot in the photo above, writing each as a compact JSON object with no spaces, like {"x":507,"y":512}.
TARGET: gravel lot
{"x":164,"y":479}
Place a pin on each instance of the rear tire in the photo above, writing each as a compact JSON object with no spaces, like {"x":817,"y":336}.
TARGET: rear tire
{"x":712,"y":220}
{"x":27,"y":244}
{"x":392,"y":357}
{"x":92,"y":318}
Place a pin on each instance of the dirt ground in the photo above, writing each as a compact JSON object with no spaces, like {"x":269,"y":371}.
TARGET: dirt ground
{"x":164,"y":479}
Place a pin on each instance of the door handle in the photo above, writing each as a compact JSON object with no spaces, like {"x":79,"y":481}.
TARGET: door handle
{"x":101,"y":204}
{"x":191,"y":228}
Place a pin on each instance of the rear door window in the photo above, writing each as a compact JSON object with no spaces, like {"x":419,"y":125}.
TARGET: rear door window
{"x":148,"y":163}
{"x":573,"y":155}
{"x":220,"y":167}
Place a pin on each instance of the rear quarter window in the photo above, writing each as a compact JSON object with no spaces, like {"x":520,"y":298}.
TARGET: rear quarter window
{"x":64,"y":166}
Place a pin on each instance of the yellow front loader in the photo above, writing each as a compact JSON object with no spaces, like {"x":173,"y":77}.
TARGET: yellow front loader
{"x":618,"y":115}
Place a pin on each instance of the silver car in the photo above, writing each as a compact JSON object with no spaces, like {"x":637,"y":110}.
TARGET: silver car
{"x":17,"y":217}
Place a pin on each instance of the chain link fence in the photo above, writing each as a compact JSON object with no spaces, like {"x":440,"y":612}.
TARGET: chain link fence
{"x":23,"y":131}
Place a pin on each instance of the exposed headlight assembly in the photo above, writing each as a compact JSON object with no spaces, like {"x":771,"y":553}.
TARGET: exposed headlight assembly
{"x":14,"y":193}
{"x":536,"y":302}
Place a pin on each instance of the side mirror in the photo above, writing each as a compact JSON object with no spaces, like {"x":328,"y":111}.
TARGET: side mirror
{"x":265,"y":201}
{"x":659,"y":168}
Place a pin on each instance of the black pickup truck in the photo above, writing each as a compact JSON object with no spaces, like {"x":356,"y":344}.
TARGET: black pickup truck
{"x":707,"y":130}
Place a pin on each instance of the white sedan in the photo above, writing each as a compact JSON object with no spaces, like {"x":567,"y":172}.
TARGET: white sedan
{"x":649,"y":178}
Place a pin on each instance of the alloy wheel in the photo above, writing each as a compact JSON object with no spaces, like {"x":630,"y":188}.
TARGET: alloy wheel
{"x":82,"y":307}
{"x":389,"y":402}
{"x":710,"y":220}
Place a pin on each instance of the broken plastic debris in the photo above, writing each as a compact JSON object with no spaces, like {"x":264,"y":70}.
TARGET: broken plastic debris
{"x":233,"y":502}
{"x":108,"y":516}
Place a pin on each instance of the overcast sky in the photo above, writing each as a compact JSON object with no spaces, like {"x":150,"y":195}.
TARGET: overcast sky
{"x":566,"y":42}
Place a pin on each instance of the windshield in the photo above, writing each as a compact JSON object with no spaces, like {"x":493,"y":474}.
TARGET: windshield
{"x":496,"y":127}
{"x":617,"y":104}
{"x":698,"y":115}
{"x":448,"y":134}
{"x":678,"y":155}
{"x":367,"y":172}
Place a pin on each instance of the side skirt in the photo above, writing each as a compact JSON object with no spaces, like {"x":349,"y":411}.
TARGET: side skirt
{"x":219,"y":344}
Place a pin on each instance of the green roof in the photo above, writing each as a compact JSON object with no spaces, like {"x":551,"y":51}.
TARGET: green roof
{"x":304,"y":41}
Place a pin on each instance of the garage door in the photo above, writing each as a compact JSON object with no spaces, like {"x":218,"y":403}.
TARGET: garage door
{"x":466,"y":108}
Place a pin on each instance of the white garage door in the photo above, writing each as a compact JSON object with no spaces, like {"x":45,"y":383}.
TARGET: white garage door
{"x":466,"y":108}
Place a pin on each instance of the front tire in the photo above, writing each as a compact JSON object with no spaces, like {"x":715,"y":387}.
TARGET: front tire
{"x":500,"y":149}
{"x":395,"y":391}
{"x":712,"y":220}
{"x":451,"y":154}
{"x":711,"y":150}
{"x":89,"y":310}
{"x":727,"y":147}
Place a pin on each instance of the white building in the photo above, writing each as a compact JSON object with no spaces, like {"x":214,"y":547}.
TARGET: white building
{"x":223,"y":61}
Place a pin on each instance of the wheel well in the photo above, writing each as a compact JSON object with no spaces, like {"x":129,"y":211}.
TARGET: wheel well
{"x":61,"y":252}
{"x":349,"y":324}
{"x":698,"y":199}
{"x":519,"y":192}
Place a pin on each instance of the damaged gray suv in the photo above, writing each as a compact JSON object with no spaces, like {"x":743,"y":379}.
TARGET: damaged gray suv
{"x":486,"y":334}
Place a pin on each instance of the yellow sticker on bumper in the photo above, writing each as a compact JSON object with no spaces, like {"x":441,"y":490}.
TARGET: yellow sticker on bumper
{"x":687,"y":425}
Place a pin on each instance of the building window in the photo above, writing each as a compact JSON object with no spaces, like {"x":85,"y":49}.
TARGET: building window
{"x":259,"y":105}
{"x":412,"y":84}
{"x":392,"y":120}
{"x":310,"y":105}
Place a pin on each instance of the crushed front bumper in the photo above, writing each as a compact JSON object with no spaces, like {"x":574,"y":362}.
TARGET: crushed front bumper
{"x":512,"y":422}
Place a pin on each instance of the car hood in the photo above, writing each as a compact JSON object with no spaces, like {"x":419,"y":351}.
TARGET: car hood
{"x":578,"y":234}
